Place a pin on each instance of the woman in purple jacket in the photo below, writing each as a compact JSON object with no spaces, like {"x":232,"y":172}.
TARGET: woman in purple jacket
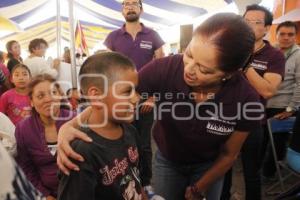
{"x":36,"y":136}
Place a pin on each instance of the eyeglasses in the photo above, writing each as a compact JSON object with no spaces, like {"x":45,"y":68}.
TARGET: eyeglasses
{"x":287,"y":34}
{"x":134,"y":4}
{"x":254,"y":22}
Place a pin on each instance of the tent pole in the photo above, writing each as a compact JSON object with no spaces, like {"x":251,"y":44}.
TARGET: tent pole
{"x":283,"y":7}
{"x":58,"y":29}
{"x":72,"y":43}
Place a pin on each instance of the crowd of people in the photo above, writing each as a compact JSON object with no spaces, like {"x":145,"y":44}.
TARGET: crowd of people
{"x":204,"y":108}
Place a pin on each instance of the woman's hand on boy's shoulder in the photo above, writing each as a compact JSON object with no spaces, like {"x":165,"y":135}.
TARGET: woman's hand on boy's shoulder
{"x":66,"y":135}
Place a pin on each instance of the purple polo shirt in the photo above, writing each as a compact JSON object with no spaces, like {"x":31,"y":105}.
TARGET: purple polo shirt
{"x":187,"y":132}
{"x":141,"y":50}
{"x":268,"y":60}
{"x":34,"y":157}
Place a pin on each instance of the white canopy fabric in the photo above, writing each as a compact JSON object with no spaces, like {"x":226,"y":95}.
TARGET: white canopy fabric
{"x":293,"y":15}
{"x":97,"y":17}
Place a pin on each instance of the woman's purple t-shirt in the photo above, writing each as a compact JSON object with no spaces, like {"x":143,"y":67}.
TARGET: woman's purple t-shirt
{"x":187,"y":132}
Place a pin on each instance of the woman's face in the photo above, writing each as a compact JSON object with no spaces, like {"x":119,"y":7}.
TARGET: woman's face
{"x":15,"y":49}
{"x":200,"y":64}
{"x":46,"y":99}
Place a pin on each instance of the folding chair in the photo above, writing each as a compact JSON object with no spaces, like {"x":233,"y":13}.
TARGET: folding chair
{"x":280,"y":126}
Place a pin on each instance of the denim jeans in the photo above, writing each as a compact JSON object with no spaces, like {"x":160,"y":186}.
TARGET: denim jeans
{"x":170,"y":180}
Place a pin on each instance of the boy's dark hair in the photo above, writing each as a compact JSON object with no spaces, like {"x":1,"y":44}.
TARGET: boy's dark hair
{"x":20,"y":65}
{"x":287,"y":24}
{"x":106,"y":64}
{"x":35,"y":43}
{"x":268,"y":14}
{"x":222,"y":30}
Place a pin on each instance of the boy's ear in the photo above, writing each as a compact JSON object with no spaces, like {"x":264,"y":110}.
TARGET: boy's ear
{"x":94,"y":94}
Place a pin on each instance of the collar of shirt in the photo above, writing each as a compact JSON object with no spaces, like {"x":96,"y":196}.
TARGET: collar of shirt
{"x":267,"y":44}
{"x":144,"y":29}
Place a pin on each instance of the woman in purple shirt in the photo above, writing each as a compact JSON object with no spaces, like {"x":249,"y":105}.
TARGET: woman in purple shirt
{"x":36,"y":136}
{"x":205,"y":109}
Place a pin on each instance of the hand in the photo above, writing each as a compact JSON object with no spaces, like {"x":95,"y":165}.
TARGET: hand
{"x":189,"y":195}
{"x":66,"y":134}
{"x":50,"y":198}
{"x":147,"y":106}
{"x":283,"y":115}
{"x":56,"y":63}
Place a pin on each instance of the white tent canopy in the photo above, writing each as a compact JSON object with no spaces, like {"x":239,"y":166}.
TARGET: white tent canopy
{"x":293,"y":15}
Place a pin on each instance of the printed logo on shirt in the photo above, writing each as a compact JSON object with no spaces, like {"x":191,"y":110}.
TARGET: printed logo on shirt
{"x":109,"y":175}
{"x":220,"y":127}
{"x":146,"y":44}
{"x":259,"y":65}
{"x":133,"y":154}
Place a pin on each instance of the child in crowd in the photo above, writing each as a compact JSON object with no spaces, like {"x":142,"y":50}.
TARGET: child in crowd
{"x":110,"y":170}
{"x":73,"y":97}
{"x":15,"y":103}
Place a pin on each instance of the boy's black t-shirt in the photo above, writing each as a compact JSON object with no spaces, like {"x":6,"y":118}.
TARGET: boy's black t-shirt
{"x":109,"y":172}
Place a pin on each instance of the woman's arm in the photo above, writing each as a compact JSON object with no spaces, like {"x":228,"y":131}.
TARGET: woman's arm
{"x":67,"y":133}
{"x":228,"y":155}
{"x":25,"y":162}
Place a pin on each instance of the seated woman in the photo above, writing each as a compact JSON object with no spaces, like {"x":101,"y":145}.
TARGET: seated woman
{"x":293,"y":152}
{"x":36,"y":136}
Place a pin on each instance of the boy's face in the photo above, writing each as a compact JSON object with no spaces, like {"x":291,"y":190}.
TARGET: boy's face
{"x":119,"y":99}
{"x":122,"y":98}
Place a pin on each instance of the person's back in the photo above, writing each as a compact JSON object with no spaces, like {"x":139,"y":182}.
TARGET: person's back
{"x":110,"y":170}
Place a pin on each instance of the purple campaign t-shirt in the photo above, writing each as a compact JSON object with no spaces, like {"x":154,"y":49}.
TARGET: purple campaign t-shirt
{"x":141,"y":50}
{"x":188,"y":132}
{"x":268,"y":60}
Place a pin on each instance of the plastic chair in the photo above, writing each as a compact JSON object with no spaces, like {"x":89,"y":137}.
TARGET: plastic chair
{"x":279,"y":126}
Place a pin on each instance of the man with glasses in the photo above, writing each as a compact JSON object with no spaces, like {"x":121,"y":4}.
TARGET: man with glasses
{"x":265,"y":73}
{"x":287,"y":99}
{"x":141,"y":44}
{"x":134,"y":39}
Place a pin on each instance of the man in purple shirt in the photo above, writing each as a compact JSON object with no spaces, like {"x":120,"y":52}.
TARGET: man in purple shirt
{"x":136,"y":41}
{"x":141,"y":44}
{"x":264,"y":74}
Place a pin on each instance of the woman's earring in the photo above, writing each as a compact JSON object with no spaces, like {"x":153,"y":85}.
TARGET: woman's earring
{"x":224,"y":79}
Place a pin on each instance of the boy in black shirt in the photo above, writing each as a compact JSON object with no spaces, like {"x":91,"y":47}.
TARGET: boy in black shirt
{"x":110,"y":170}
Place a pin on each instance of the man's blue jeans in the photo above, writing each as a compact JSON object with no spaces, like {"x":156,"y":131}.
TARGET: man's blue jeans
{"x":171,"y":179}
